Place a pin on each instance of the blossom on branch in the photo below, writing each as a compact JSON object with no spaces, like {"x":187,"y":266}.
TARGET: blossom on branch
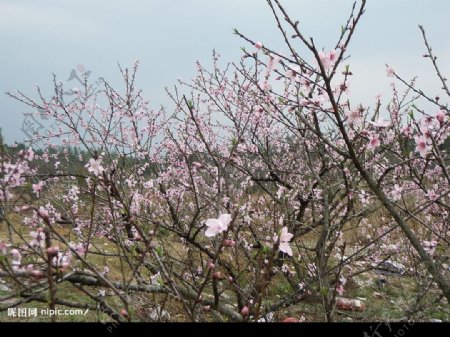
{"x":95,"y":166}
{"x":258,"y":45}
{"x":328,"y":59}
{"x":390,"y":72}
{"x":285,"y":237}
{"x":374,"y":141}
{"x":216,"y":226}
{"x":421,"y":145}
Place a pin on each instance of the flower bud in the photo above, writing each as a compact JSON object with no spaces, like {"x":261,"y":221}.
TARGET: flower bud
{"x":440,"y":116}
{"x":37,"y":273}
{"x":43,"y":213}
{"x":229,"y":243}
{"x":54,"y":250}
{"x":211,"y":265}
{"x":290,"y":320}
{"x":245,"y":311}
{"x":217,"y":275}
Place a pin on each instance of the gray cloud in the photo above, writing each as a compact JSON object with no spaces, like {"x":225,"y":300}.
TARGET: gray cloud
{"x":39,"y":38}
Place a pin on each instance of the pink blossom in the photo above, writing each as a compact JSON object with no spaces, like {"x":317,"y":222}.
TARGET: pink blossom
{"x":61,"y":260}
{"x":440,"y":116}
{"x":292,"y":72}
{"x":381,"y":123}
{"x":374,"y":141}
{"x":332,"y":55}
{"x":54,"y":250}
{"x":37,"y":273}
{"x":397,"y":192}
{"x":290,"y":320}
{"x":430,"y":246}
{"x":432,"y":195}
{"x":95,"y":166}
{"x":216,"y":226}
{"x":324,"y":60}
{"x":425,"y":131}
{"x":43,"y":213}
{"x":285,"y":237}
{"x":390,"y":72}
{"x":421,"y":145}
{"x":258,"y":45}
{"x":328,"y":59}
{"x":16,"y":258}
{"x":66,"y":260}
{"x":407,"y":130}
{"x":273,"y":61}
{"x":229,"y":243}
{"x":38,"y":239}
{"x":353,"y":116}
{"x":344,"y":88}
{"x":79,"y":248}
{"x":349,"y":304}
{"x":37,"y":188}
{"x":245,"y":311}
{"x":29,"y":155}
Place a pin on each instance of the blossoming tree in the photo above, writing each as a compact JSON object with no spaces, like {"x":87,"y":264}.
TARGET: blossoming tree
{"x":263,"y":174}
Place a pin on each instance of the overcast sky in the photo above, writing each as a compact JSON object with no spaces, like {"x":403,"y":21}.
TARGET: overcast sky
{"x":41,"y":37}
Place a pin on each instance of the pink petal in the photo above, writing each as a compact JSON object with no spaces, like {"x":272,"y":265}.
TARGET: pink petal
{"x":211,"y":231}
{"x":225,"y":219}
{"x":213,"y":223}
{"x":286,"y":248}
